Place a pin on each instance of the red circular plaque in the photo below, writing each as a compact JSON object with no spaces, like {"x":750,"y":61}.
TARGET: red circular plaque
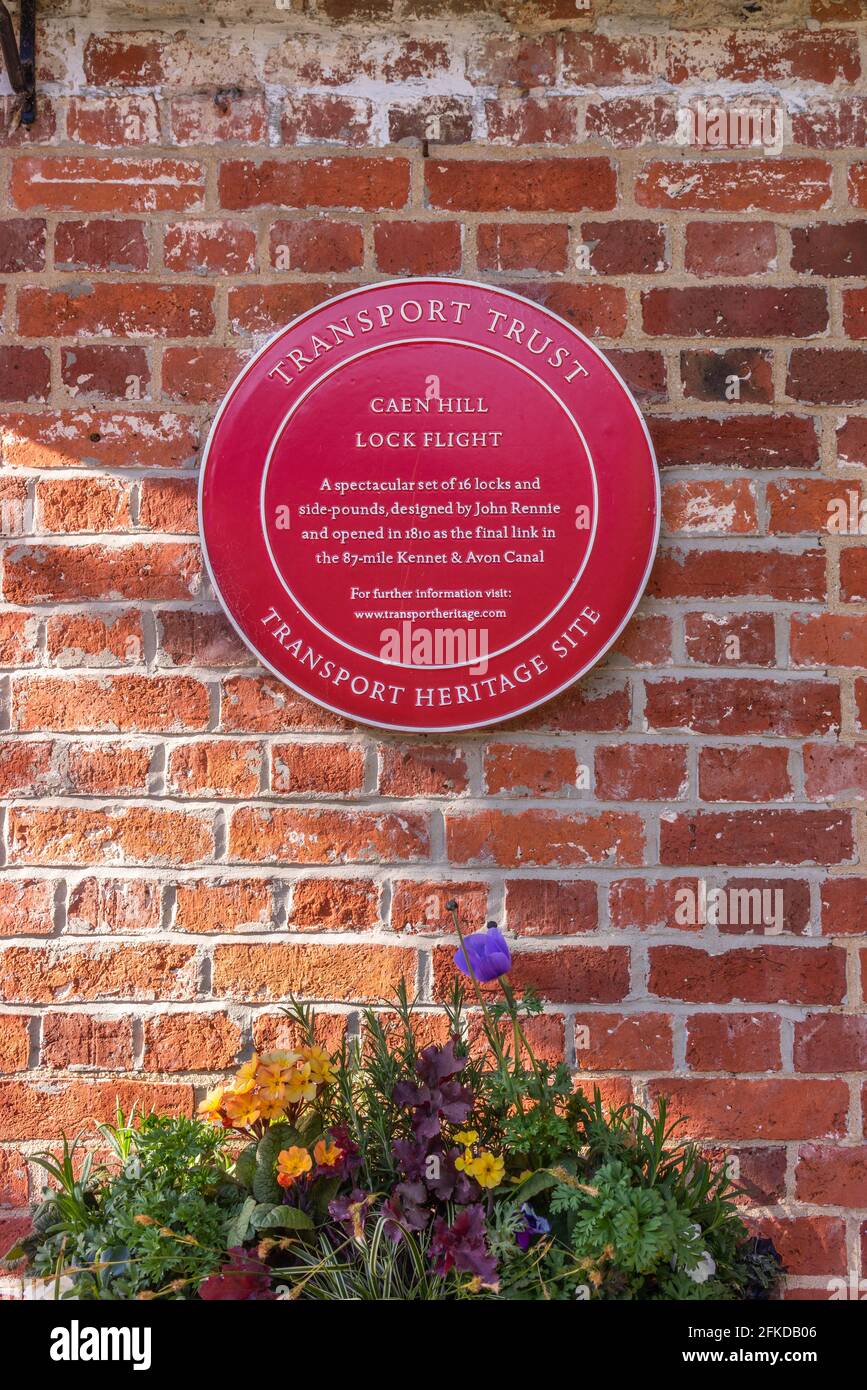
{"x":429,"y":504}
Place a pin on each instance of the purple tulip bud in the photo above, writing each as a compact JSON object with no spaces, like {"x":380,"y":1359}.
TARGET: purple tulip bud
{"x":488,"y":952}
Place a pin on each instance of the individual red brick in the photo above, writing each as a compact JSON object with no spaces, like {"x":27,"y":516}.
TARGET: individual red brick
{"x":622,"y":1042}
{"x":777,"y":1108}
{"x":301,"y":836}
{"x":112,"y":905}
{"x":650,"y":904}
{"x":789,"y":709}
{"x":190,"y":1042}
{"x":441,"y":120}
{"x":540,"y":838}
{"x":853,"y":582}
{"x":169,"y":504}
{"x":598,"y":311}
{"x":421,"y":907}
{"x":646,"y":640}
{"x":230,"y":117}
{"x":752,"y":441}
{"x":730,"y":248}
{"x":42,"y":1109}
{"x":710,"y":375}
{"x":567,"y":975}
{"x":417,"y":248}
{"x":735,"y":311}
{"x":13,"y":1179}
{"x":829,"y":376}
{"x":61,"y":573}
{"x":22,"y":246}
{"x":591,"y":707}
{"x":334,"y":904}
{"x":627,"y":122}
{"x":200,"y":374}
{"x":124,"y":60}
{"x":186,"y":637}
{"x":857,"y":185}
{"x":808,"y":1245}
{"x":89,"y":184}
{"x":830,"y":248}
{"x":292,"y":62}
{"x":733,"y":1042}
{"x":550,"y":907}
{"x":212,"y":248}
{"x":757,"y":837}
{"x":214,"y":767}
{"x":831,"y":1043}
{"x":331,"y":769}
{"x":545,"y":1033}
{"x":522,"y":246}
{"x":829,"y":639}
{"x":725,"y":774}
{"x":97,"y":971}
{"x":120,"y":373}
{"x":105,"y":769}
{"x":80,"y":1040}
{"x":597,"y":60}
{"x":114,"y":638}
{"x":521,"y":185}
{"x":803,"y":505}
{"x":844,"y":904}
{"x":362,"y":974}
{"x":641,"y":772}
{"x":101,"y":244}
{"x":110,"y":703}
{"x":761,"y":1173}
{"x":759,"y":975}
{"x":792,"y":54}
{"x":81,"y":835}
{"x":710,"y":508}
{"x":219,"y":905}
{"x":513,"y":60}
{"x":164,"y":311}
{"x":113,"y":121}
{"x":831,"y":123}
{"x":522,"y":770}
{"x":263,"y":309}
{"x":832,"y":1176}
{"x":316,"y":245}
{"x":25,"y":373}
{"x":545,"y":120}
{"x":111,"y":439}
{"x":626,"y":246}
{"x":757,"y":906}
{"x":26,"y":907}
{"x":425,"y":769}
{"x":735,"y":185}
{"x":26,"y":768}
{"x":861,"y":703}
{"x":836,"y":771}
{"x":14,"y":1042}
{"x":260,"y":704}
{"x":705,"y":574}
{"x":272,"y":1032}
{"x":347,"y":182}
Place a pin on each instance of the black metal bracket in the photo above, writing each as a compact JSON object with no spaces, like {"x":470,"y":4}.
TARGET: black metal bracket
{"x":20,"y":59}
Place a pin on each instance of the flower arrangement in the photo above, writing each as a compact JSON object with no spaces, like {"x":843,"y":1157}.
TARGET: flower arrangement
{"x":393,"y":1170}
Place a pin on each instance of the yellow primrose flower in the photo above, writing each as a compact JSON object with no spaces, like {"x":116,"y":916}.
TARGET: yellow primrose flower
{"x":327,"y":1153}
{"x":245,"y":1077}
{"x":211,"y":1106}
{"x":488,"y":1170}
{"x":321,"y":1070}
{"x":292,"y":1164}
{"x":272,"y":1103}
{"x":299,"y":1085}
{"x":466,"y":1138}
{"x":243,"y":1108}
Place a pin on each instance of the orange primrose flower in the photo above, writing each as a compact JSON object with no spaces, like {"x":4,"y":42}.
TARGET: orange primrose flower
{"x":292,"y":1164}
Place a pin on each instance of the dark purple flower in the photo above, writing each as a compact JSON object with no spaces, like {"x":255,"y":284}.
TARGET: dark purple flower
{"x":431,"y":1163}
{"x":404,"y":1211}
{"x":242,"y":1278}
{"x":351,"y":1212}
{"x":534,"y":1226}
{"x":488,"y":952}
{"x":438,"y":1097}
{"x":462,"y":1246}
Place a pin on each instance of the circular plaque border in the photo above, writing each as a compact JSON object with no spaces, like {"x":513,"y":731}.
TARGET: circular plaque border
{"x":576,"y":675}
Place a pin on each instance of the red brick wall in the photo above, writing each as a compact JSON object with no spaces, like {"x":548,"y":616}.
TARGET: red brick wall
{"x":186,"y":841}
